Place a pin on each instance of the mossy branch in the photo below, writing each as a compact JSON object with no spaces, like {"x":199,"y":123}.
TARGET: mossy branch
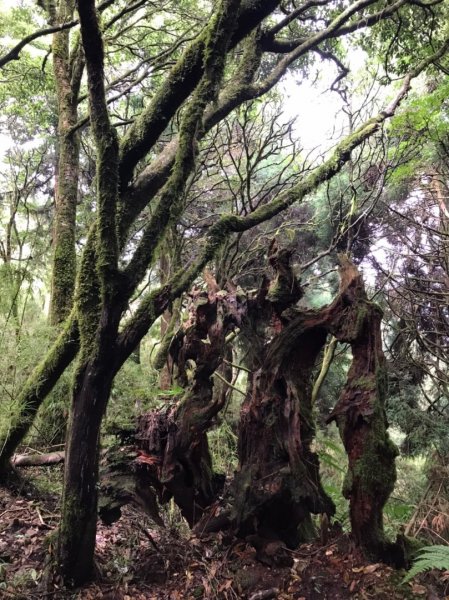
{"x":153,"y":177}
{"x":236,"y":92}
{"x":155,"y":302}
{"x":171,"y":203}
{"x":180,"y":83}
{"x":160,"y":359}
{"x":107,"y":148}
{"x":88,"y":295}
{"x":38,"y":386}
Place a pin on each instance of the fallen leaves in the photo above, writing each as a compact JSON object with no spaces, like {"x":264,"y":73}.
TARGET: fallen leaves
{"x":186,"y":567}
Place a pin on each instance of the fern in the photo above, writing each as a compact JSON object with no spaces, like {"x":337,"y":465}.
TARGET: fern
{"x":429,"y":557}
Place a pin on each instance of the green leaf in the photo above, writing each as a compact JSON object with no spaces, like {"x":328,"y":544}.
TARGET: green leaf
{"x":430,"y":557}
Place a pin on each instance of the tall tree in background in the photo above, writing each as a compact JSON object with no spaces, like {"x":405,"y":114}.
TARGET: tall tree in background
{"x":68,"y":69}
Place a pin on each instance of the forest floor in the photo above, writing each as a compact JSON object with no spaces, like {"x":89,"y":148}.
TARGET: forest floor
{"x":136,"y":561}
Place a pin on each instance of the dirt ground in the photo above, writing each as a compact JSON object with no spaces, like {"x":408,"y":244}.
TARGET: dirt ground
{"x":136,"y":561}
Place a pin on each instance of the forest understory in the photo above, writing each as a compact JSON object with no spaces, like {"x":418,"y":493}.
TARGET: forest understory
{"x":224,"y":285}
{"x":137,"y":560}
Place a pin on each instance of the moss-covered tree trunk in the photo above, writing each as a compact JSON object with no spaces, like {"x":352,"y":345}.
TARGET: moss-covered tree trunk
{"x":103,"y":290}
{"x":361,"y":419}
{"x":169,"y":264}
{"x":77,"y":532}
{"x":99,"y":306}
{"x":68,"y":69}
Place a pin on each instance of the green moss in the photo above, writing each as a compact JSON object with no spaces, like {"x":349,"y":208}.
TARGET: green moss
{"x":38,"y":385}
{"x":365,"y":382}
{"x":87,"y":297}
{"x":374,"y":473}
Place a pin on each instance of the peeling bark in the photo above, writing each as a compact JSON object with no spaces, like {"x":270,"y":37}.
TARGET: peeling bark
{"x":178,"y":435}
{"x":361,"y":419}
{"x":278,"y":486}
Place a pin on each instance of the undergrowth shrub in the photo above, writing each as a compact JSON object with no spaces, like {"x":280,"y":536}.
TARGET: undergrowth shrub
{"x":333,"y":464}
{"x":223,"y":448}
{"x":428,"y":558}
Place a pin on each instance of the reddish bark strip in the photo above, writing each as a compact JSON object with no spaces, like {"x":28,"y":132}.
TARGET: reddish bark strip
{"x":360,"y":416}
{"x":277,"y":486}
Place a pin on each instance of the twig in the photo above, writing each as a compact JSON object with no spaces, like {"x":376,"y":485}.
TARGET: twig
{"x":20,"y":508}
{"x":240,"y":367}
{"x":429,"y":511}
{"x":265,"y":594}
{"x":229,"y":384}
{"x":416,"y":513}
{"x":41,"y":520}
{"x":149,"y":536}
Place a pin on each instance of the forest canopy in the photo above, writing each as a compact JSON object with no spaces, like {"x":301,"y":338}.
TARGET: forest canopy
{"x":181,"y":251}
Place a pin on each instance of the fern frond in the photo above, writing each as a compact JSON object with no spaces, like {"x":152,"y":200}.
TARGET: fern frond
{"x":429,"y":557}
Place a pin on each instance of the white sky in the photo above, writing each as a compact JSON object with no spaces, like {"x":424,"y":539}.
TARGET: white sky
{"x":316,"y":110}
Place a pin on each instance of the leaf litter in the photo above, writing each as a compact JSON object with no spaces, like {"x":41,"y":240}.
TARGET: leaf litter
{"x":136,"y":560}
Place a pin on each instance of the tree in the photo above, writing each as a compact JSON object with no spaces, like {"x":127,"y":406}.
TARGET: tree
{"x":230,"y":61}
{"x":68,"y":68}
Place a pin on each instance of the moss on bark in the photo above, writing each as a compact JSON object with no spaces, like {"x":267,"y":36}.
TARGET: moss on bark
{"x":68,"y":70}
{"x":361,"y":419}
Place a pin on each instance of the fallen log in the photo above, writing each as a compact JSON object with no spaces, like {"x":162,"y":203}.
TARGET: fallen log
{"x":38,"y":460}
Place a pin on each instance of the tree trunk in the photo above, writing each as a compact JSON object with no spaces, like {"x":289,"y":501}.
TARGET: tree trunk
{"x":361,"y":419}
{"x":100,"y":313}
{"x":68,"y":71}
{"x":77,"y":532}
{"x":177,"y":436}
{"x":277,"y":486}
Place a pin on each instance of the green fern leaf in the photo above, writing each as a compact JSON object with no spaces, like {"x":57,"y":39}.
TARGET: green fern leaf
{"x":429,"y":557}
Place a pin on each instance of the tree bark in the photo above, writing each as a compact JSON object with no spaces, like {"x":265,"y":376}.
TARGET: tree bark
{"x":277,"y":485}
{"x":177,"y":436}
{"x":76,"y":539}
{"x":68,"y":71}
{"x":361,"y":419}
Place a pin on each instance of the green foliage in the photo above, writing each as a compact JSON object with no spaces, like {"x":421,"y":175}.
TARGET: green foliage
{"x":223,"y":447}
{"x":333,"y":463}
{"x":18,"y":352}
{"x":396,"y":514}
{"x":405,"y":37}
{"x":135,"y":391}
{"x":49,"y":428}
{"x":429,"y":557}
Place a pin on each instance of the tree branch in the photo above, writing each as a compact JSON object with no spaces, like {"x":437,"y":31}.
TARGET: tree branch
{"x":14,"y":53}
{"x":177,"y":87}
{"x":106,"y":142}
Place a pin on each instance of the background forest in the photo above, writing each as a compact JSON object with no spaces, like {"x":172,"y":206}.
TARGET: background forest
{"x":224,"y":226}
